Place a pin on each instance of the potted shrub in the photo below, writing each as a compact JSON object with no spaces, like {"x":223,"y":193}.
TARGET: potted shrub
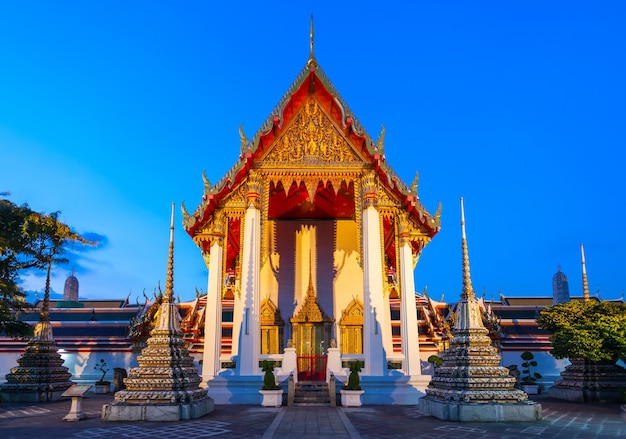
{"x":102,"y":386}
{"x":351,"y":392}
{"x":529,"y":378}
{"x":272,"y":393}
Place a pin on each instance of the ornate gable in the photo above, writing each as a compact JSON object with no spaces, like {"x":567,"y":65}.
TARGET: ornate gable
{"x":311,"y":138}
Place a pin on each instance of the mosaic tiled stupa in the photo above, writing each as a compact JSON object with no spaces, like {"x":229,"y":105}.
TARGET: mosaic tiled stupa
{"x":165,"y":386}
{"x":471,"y":385}
{"x":40,"y":375}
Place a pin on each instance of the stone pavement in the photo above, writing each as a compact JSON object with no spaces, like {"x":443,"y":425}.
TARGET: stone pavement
{"x":561,"y":420}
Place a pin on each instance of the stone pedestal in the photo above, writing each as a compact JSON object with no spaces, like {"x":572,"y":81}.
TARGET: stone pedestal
{"x":271,"y":398}
{"x":481,"y":412}
{"x":157,"y":412}
{"x":351,"y":398}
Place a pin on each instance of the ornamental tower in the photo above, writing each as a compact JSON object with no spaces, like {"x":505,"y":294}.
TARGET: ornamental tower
{"x":40,"y":375}
{"x":471,"y":385}
{"x":165,"y":386}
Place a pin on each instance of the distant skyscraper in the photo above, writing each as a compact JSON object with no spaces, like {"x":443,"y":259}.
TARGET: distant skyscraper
{"x":70,"y":292}
{"x":560,"y":287}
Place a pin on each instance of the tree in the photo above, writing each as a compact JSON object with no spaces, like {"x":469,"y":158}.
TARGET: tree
{"x":590,"y":330}
{"x":29,"y":240}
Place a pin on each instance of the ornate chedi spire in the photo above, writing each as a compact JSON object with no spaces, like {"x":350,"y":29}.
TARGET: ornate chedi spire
{"x":585,"y":283}
{"x":471,"y":384}
{"x":165,"y":386}
{"x":40,"y":374}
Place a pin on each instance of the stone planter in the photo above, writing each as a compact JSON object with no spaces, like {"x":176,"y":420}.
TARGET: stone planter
{"x":271,"y":398}
{"x":531,"y":389}
{"x":351,"y":398}
{"x":102,"y":387}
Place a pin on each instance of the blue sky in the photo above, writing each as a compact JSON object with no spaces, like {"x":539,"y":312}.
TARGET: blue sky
{"x":109,"y":111}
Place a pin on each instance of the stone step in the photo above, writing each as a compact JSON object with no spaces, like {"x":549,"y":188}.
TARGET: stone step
{"x":311,"y":394}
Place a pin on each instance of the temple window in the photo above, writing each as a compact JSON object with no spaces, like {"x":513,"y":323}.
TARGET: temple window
{"x":351,"y":327}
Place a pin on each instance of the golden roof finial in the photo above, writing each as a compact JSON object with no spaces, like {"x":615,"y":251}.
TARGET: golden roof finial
{"x":311,"y":61}
{"x":169,"y":280}
{"x":468,"y":291}
{"x":585,"y":284}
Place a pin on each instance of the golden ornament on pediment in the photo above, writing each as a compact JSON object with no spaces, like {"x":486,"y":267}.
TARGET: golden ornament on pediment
{"x":312,"y":138}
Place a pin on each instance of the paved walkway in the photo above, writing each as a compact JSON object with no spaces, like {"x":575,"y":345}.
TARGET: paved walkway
{"x":561,"y":420}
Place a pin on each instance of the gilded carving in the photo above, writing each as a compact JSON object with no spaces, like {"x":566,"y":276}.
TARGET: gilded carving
{"x":253,"y":194}
{"x":312,"y":138}
{"x":370,"y":190}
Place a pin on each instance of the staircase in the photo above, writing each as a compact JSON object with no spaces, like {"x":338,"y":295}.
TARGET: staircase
{"x":312,"y":393}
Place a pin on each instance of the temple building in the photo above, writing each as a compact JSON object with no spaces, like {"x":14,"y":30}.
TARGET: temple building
{"x":311,"y":240}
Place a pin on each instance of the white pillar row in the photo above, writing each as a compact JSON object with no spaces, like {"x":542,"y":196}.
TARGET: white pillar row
{"x":408,"y":311}
{"x":213,"y":310}
{"x":375,"y":359}
{"x":249,"y":331}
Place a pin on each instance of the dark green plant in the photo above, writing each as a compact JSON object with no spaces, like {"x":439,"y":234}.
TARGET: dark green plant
{"x":102,"y":367}
{"x":29,"y":241}
{"x":591,"y":330}
{"x":269,"y":380}
{"x":528,"y":376}
{"x":435,"y":360}
{"x":353,"y":378}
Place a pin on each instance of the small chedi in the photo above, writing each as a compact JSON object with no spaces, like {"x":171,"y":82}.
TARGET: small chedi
{"x":40,"y":375}
{"x":165,"y":386}
{"x":471,"y":385}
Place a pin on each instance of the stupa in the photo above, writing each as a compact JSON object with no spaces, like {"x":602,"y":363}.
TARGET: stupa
{"x":165,"y":386}
{"x":589,"y":381}
{"x":471,"y":385}
{"x":40,"y":375}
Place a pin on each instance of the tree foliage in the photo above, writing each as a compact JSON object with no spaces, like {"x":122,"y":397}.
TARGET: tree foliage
{"x":590,"y":330}
{"x":29,"y":240}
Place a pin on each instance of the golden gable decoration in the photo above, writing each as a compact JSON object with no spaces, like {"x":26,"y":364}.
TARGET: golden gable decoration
{"x":312,"y":137}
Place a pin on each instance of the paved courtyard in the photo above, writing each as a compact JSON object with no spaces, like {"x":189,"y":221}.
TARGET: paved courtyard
{"x":560,"y":420}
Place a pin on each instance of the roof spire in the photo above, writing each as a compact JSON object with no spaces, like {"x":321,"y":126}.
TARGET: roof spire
{"x":169,"y":280}
{"x":311,"y":61}
{"x":468,"y":291}
{"x":585,"y":284}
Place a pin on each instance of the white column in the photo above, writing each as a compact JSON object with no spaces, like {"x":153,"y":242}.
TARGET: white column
{"x":375,"y":359}
{"x":250,"y":335}
{"x":213,"y":314}
{"x":408,"y":312}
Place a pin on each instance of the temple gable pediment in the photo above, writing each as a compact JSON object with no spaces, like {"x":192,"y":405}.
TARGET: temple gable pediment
{"x":311,"y":138}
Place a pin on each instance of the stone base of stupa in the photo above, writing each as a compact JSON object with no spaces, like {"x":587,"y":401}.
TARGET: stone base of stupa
{"x":585,"y":394}
{"x":28,"y":393}
{"x":526,"y":411}
{"x":157,"y":412}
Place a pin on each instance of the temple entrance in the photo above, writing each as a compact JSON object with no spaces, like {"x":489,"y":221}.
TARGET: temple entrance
{"x":311,"y":341}
{"x":310,"y":329}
